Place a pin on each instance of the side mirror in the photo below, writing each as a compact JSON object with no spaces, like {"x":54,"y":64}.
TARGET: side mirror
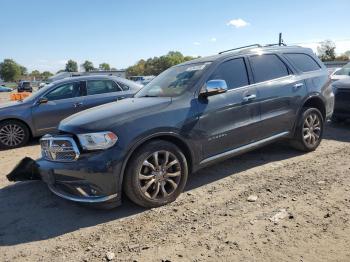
{"x":214,"y":87}
{"x":42,"y":100}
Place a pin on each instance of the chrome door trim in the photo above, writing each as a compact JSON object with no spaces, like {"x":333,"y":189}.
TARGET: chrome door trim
{"x":245,"y":148}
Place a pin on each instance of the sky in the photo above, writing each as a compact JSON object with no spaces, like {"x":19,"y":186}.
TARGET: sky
{"x":44,"y":34}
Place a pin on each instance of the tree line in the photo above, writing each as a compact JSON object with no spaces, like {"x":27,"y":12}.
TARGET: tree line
{"x":12,"y":71}
{"x":326,"y":52}
{"x":72,"y":66}
{"x":156,"y":65}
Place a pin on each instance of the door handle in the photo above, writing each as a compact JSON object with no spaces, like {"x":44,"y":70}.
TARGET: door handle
{"x":249,"y":98}
{"x":298,"y":85}
{"x":78,"y":105}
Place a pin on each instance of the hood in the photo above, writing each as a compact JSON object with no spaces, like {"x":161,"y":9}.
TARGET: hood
{"x":344,"y":83}
{"x":106,"y":116}
{"x":10,"y":104}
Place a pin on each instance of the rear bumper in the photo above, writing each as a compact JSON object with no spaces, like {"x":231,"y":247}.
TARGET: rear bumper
{"x":94,"y":178}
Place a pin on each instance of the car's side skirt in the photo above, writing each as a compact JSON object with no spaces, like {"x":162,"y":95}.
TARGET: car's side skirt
{"x":244,"y":149}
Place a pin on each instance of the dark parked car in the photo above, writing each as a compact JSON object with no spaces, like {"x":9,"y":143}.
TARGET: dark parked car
{"x":24,"y":86}
{"x":5,"y":89}
{"x":190,"y":116}
{"x":41,"y":112}
{"x":341,"y":91}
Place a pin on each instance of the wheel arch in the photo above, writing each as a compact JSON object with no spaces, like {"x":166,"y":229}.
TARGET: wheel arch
{"x":21,"y":121}
{"x":317,"y":102}
{"x":170,"y":137}
{"x":314,"y":100}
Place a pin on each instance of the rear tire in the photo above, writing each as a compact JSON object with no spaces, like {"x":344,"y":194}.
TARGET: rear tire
{"x":13,"y":134}
{"x":156,"y":175}
{"x":309,"y":131}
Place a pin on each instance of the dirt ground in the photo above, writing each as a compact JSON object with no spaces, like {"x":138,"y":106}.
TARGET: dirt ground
{"x":301,"y":213}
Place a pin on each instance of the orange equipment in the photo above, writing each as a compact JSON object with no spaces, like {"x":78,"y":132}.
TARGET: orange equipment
{"x":19,"y":96}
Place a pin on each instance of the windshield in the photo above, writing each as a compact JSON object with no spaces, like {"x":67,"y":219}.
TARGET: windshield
{"x":174,"y":81}
{"x":344,"y":71}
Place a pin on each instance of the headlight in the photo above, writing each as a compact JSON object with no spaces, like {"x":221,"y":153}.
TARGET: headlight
{"x":97,"y":141}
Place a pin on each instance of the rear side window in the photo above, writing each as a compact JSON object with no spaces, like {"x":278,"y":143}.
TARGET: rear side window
{"x":304,"y":62}
{"x":95,"y":87}
{"x":268,"y":67}
{"x":234,"y":72}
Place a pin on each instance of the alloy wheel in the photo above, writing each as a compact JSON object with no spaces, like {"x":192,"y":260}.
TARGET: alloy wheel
{"x":160,"y":175}
{"x":312,"y":129}
{"x":11,"y":135}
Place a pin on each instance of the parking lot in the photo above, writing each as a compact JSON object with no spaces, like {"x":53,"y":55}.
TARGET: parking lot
{"x":300,"y":213}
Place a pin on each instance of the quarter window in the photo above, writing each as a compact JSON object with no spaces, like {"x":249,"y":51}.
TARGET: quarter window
{"x":234,"y":72}
{"x":304,"y":62}
{"x":268,"y":67}
{"x":123,"y":86}
{"x":65,"y":91}
{"x":95,"y":87}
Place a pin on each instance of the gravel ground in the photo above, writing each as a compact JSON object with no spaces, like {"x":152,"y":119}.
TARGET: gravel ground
{"x":273,"y":204}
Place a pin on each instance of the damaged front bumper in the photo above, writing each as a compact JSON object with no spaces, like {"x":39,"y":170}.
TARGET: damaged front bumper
{"x":92,"y":179}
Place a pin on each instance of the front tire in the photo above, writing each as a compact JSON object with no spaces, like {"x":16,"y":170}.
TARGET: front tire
{"x":156,"y":175}
{"x":309,"y":132}
{"x":13,"y":134}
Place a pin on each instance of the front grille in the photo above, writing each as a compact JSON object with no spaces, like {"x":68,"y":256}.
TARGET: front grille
{"x":59,"y":148}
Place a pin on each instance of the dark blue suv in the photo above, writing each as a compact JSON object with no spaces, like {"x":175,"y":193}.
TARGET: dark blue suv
{"x":192,"y":115}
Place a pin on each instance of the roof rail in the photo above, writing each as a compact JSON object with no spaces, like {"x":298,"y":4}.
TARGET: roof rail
{"x":269,"y":45}
{"x":238,"y":48}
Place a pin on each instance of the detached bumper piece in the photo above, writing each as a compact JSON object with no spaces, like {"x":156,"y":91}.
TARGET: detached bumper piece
{"x":26,"y":169}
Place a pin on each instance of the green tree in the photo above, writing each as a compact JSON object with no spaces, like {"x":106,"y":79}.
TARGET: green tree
{"x":10,"y":70}
{"x":156,"y":65}
{"x":45,"y":75}
{"x":71,"y":66}
{"x":24,"y":71}
{"x":105,"y":67}
{"x":35,"y":74}
{"x":88,"y":66}
{"x":326,"y":50}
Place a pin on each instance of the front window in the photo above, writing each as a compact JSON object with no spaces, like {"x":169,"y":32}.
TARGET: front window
{"x":344,"y":71}
{"x":65,"y":91}
{"x":174,"y":81}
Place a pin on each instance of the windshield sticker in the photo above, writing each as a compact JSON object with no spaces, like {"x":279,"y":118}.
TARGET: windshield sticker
{"x":196,"y":68}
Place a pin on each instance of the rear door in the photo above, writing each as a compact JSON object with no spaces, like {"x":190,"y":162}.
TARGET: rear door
{"x":98,"y":92}
{"x":229,"y":120}
{"x":61,"y":103}
{"x":280,"y":93}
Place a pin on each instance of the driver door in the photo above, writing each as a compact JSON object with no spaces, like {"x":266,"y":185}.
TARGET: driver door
{"x":229,"y":120}
{"x":58,"y":103}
